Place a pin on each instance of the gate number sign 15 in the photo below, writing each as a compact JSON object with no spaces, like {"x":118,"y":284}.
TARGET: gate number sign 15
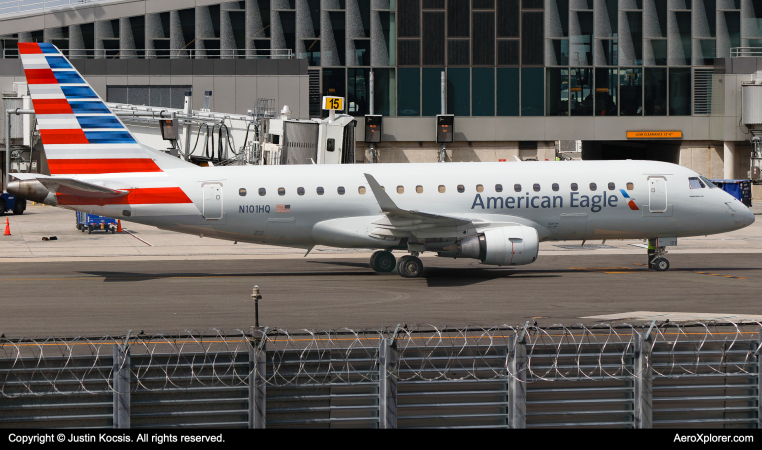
{"x":335,"y":103}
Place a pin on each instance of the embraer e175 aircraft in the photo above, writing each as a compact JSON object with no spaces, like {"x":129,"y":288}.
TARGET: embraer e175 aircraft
{"x":495,"y":212}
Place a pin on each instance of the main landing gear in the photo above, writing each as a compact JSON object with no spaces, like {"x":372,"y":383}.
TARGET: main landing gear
{"x":409,"y":266}
{"x":383,"y":262}
{"x":656,"y":259}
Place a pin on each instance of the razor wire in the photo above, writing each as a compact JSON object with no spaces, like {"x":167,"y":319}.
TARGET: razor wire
{"x":294,"y":358}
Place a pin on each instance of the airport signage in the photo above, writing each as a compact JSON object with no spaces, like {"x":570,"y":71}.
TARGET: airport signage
{"x":654,"y":135}
{"x":333,"y":103}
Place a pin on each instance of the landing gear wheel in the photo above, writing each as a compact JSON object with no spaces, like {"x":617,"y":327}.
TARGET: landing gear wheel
{"x":383,"y":262}
{"x":661,"y":264}
{"x":410,"y":267}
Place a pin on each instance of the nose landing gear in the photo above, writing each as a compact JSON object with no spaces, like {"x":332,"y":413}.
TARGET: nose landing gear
{"x":656,"y":259}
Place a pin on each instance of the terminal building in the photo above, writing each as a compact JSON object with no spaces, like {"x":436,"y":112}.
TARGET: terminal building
{"x":627,"y":79}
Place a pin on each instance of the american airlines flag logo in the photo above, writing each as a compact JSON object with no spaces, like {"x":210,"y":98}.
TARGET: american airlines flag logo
{"x":282,"y":208}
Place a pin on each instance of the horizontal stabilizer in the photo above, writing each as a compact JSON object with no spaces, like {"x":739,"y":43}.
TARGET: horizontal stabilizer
{"x":70,"y":186}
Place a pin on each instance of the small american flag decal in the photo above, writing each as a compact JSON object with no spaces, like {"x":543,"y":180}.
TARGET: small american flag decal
{"x":282,"y":208}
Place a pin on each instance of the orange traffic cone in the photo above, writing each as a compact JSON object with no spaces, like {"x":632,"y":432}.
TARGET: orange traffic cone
{"x":7,"y":227}
{"x":118,"y":226}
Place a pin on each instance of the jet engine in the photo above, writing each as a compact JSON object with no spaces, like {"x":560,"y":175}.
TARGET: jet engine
{"x":32,"y":190}
{"x":504,"y":246}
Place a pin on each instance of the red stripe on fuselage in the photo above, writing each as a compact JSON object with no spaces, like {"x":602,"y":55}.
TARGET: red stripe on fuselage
{"x":147,"y":196}
{"x":633,"y":206}
{"x":73,"y":136}
{"x":96,"y":166}
{"x":40,"y":76}
{"x":29,"y":48}
{"x":52,"y":106}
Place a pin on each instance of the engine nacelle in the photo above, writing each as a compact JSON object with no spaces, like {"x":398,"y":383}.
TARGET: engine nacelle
{"x":504,"y":246}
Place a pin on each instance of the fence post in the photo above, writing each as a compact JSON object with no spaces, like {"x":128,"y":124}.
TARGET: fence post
{"x":121,"y":386}
{"x":387,"y":384}
{"x":517,"y":391}
{"x":257,"y":386}
{"x":759,"y":379}
{"x":643,"y":383}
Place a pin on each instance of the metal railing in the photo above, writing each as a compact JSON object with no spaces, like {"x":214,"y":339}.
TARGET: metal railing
{"x":13,"y":7}
{"x":636,"y":377}
{"x":744,"y":52}
{"x":181,"y":53}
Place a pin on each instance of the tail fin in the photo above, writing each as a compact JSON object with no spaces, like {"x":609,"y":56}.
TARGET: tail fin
{"x":79,"y":132}
{"x":86,"y":145}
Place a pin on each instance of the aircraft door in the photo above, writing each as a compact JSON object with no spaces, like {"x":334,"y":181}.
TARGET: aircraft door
{"x":212,"y":201}
{"x":657,"y":194}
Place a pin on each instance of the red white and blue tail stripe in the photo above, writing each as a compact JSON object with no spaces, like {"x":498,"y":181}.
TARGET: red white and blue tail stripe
{"x":83,"y":139}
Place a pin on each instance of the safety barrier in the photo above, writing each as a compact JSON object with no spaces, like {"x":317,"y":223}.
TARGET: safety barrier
{"x":702,"y":375}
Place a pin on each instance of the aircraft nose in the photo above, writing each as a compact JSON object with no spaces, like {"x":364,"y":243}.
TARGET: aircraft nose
{"x":750,"y":218}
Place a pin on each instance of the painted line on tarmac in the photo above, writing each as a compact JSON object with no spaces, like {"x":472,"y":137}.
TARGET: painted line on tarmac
{"x":723,"y":276}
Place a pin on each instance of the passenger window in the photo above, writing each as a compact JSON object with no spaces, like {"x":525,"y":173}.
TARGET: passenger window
{"x":574,"y":187}
{"x":300,"y":191}
{"x":442,"y":189}
{"x":556,"y":187}
{"x":331,"y":145}
{"x":419,"y":189}
{"x":630,"y":187}
{"x":320,"y":191}
{"x":262,"y":192}
{"x":242,"y":192}
{"x":517,"y":187}
{"x":593,"y":187}
{"x":281,"y":191}
{"x":461,"y":189}
{"x":479,"y":188}
{"x":695,"y":183}
{"x":341,"y":190}
{"x":612,"y":187}
{"x":400,"y":189}
{"x":536,"y":187}
{"x":361,"y":190}
{"x":498,"y":188}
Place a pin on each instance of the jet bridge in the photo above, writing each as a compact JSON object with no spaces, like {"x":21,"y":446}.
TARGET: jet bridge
{"x":259,"y":137}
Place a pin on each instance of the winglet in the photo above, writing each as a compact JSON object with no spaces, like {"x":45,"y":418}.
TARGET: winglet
{"x":383,"y":199}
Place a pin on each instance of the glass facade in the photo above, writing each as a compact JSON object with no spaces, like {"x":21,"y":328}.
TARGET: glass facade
{"x":500,"y":57}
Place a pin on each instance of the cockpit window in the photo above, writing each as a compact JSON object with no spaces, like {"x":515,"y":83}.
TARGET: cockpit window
{"x":695,"y":183}
{"x":708,"y":183}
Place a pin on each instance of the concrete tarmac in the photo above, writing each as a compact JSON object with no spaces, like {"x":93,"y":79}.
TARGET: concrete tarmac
{"x":98,"y":298}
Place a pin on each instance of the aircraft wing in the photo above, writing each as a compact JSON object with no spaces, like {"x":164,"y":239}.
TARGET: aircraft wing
{"x":70,"y":186}
{"x":402,"y":222}
{"x":395,"y":214}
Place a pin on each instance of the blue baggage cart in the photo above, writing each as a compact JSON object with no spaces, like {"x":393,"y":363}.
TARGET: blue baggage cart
{"x":12,"y":203}
{"x":740,"y":189}
{"x":92,"y":222}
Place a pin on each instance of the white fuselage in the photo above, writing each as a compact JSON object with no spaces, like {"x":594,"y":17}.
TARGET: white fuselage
{"x":287,"y":216}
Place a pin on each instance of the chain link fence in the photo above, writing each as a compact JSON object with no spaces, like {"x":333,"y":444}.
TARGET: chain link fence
{"x":419,"y":376}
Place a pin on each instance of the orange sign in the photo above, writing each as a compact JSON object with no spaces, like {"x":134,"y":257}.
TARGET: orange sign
{"x":654,"y":135}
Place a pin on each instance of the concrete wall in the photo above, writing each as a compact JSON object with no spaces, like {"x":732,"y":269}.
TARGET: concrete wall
{"x":235,"y":83}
